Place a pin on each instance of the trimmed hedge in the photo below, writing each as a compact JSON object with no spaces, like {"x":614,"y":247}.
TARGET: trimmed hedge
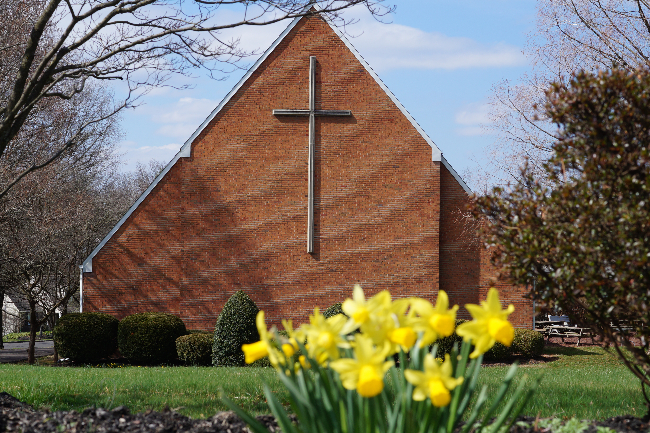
{"x":499,"y":352}
{"x":86,"y":337}
{"x":150,"y":338}
{"x":195,"y":348}
{"x":528,"y":343}
{"x":333,"y":310}
{"x":235,"y":327}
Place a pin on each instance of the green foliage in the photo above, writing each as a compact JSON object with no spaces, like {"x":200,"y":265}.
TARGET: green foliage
{"x":499,"y":352}
{"x":235,"y":327}
{"x":24,"y":336}
{"x":333,"y":310}
{"x":195,"y":348}
{"x":583,"y":234}
{"x":150,"y":338}
{"x":528,"y":343}
{"x":86,"y":337}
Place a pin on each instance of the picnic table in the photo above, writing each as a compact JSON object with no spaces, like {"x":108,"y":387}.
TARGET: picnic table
{"x":564,"y":331}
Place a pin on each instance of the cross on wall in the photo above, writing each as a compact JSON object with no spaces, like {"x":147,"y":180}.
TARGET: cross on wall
{"x":312,"y":113}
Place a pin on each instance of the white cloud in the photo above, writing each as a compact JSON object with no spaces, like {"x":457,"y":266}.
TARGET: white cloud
{"x":167,"y":147}
{"x":473,"y":114}
{"x":396,"y":46}
{"x":134,"y":153}
{"x":472,"y":117}
{"x":187,"y":110}
{"x":181,"y":118}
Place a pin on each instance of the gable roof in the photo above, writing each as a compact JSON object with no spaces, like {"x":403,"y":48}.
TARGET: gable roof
{"x":186,"y":150}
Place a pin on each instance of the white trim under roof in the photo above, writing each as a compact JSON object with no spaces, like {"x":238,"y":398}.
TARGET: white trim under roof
{"x":456,"y":176}
{"x":186,"y":149}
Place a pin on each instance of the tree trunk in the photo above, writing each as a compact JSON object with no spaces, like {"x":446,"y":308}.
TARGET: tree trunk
{"x":2,"y":300}
{"x":32,"y":332}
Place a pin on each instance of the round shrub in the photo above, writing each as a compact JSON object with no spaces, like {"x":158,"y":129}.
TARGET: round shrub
{"x":149,"y":338}
{"x":86,"y":337}
{"x":333,"y":310}
{"x":195,"y":348}
{"x":235,"y":327}
{"x":498,"y":352}
{"x":528,"y":343}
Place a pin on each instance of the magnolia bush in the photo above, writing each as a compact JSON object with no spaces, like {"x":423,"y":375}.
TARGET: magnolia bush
{"x":375,"y":368}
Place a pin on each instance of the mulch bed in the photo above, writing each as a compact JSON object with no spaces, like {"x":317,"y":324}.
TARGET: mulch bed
{"x":16,"y":416}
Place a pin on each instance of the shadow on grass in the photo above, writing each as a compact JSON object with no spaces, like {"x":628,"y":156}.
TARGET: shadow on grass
{"x":569,"y":351}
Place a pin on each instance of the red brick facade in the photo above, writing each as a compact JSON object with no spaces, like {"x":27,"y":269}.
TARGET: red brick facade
{"x":233,"y":215}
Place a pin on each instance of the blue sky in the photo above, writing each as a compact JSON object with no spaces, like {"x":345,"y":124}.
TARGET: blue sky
{"x":439,"y":57}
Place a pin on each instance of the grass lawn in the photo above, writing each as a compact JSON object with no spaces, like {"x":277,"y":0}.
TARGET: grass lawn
{"x":584,"y":382}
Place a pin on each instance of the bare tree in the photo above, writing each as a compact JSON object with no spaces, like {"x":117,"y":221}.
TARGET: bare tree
{"x":570,"y":35}
{"x":54,"y":49}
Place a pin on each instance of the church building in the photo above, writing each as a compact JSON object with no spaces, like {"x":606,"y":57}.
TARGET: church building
{"x":308,"y":178}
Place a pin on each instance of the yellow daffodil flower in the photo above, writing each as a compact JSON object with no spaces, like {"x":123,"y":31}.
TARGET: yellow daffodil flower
{"x":325,"y":336}
{"x":393,"y":325}
{"x":490,"y":324}
{"x":366,"y":371}
{"x":260,"y":349}
{"x":360,"y":310}
{"x":435,"y":382}
{"x":434,"y":322}
{"x":266,"y":346}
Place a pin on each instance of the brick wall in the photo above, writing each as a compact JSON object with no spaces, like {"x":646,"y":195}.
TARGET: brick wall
{"x":233,"y":216}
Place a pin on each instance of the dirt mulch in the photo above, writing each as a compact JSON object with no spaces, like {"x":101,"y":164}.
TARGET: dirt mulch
{"x":16,"y":416}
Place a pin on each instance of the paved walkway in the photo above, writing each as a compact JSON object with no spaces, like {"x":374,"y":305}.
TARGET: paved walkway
{"x":14,"y":352}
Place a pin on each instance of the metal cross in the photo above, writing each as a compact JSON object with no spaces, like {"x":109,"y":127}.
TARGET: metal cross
{"x":312,"y":113}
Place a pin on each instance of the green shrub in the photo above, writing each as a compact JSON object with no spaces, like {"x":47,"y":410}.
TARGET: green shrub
{"x":198,"y":331}
{"x":498,"y":352}
{"x":235,"y":327}
{"x":86,"y":337}
{"x":528,"y":343}
{"x":195,"y":348}
{"x":150,"y":338}
{"x":334,"y":310}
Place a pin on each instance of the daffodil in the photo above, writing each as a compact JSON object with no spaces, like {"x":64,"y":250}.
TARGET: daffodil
{"x":325,"y":336}
{"x":435,"y":382}
{"x":490,"y":324}
{"x":260,"y":349}
{"x":366,"y":371}
{"x":360,"y":310}
{"x":266,"y":346}
{"x":434,"y":322}
{"x":390,"y":323}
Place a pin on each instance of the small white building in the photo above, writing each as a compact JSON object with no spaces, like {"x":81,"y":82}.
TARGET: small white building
{"x":15,"y":314}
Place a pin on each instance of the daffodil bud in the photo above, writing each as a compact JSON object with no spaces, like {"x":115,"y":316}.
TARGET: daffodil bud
{"x":288,"y":350}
